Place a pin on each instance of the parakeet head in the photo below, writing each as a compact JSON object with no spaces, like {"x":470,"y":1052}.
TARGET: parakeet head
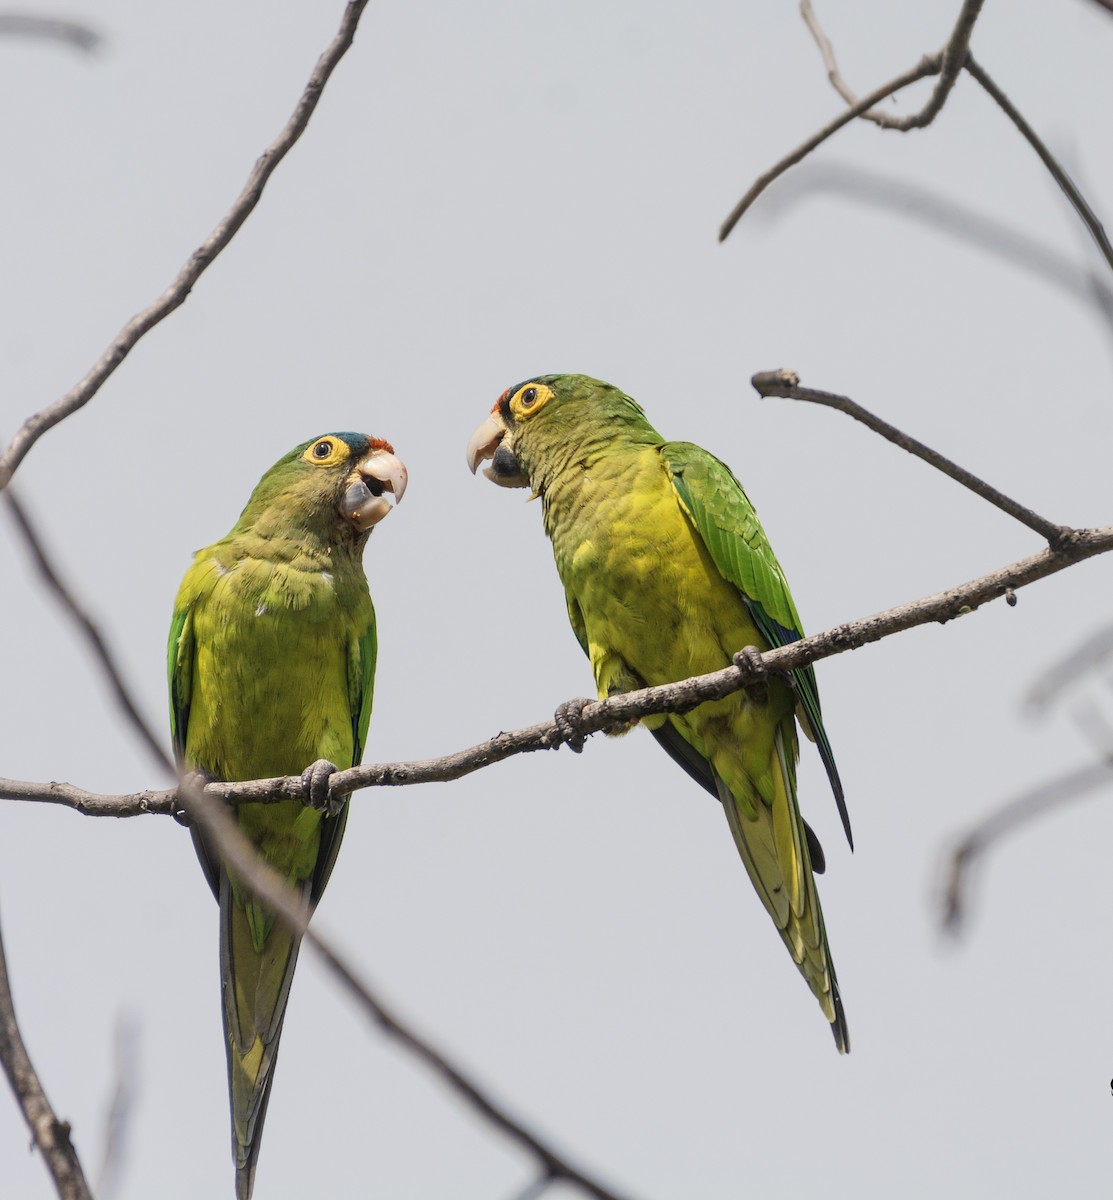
{"x":335,"y":486}
{"x":533,"y":421}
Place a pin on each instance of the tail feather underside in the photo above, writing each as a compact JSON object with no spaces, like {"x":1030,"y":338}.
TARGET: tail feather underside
{"x":774,"y":847}
{"x":256,"y":987}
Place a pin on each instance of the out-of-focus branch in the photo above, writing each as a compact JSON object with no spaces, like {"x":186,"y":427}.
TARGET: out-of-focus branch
{"x":175,"y":295}
{"x":787,"y":385}
{"x":50,"y":1135}
{"x":910,"y":201}
{"x":292,"y":911}
{"x":1014,"y":814}
{"x":615,"y":711}
{"x":55,"y":29}
{"x":118,"y":1118}
{"x":951,"y":60}
{"x":88,"y":628}
{"x":1085,"y":657}
{"x":536,"y":1187}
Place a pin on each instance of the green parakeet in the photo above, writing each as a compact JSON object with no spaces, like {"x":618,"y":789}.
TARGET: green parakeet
{"x":667,"y":573}
{"x":272,"y":664}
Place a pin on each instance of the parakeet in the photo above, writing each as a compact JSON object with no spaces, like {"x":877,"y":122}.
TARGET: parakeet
{"x":667,"y":573}
{"x":272,"y":665}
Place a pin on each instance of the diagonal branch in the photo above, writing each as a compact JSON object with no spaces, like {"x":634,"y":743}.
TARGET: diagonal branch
{"x":787,"y":385}
{"x":175,"y":295}
{"x":929,"y":65}
{"x":293,"y":911}
{"x":88,"y":628}
{"x":946,"y":63}
{"x":50,"y":1135}
{"x":616,"y":711}
{"x":1058,"y":172}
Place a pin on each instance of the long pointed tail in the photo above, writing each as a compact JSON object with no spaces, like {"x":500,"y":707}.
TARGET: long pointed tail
{"x":256,"y":976}
{"x":773,"y":844}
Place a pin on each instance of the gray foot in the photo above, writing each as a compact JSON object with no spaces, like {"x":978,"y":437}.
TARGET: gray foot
{"x":194,"y":781}
{"x":568,"y":722}
{"x":749,"y":660}
{"x":315,"y":779}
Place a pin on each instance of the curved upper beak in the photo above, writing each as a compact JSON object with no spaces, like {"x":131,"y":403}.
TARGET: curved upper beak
{"x":487,"y":443}
{"x":365,"y":501}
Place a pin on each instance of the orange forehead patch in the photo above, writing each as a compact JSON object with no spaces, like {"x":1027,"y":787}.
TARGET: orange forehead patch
{"x":381,"y":444}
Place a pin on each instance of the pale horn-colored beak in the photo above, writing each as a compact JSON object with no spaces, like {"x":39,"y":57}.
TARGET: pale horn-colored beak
{"x":484,"y":442}
{"x":487,"y":443}
{"x":365,"y":502}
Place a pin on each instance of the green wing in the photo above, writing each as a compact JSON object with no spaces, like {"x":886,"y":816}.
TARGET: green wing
{"x":362,"y":654}
{"x":726,"y":521}
{"x":179,"y":670}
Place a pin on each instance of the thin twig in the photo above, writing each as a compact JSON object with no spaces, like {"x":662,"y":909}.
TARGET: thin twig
{"x":786,"y":384}
{"x":956,"y":56}
{"x":175,"y":295}
{"x":1017,"y":812}
{"x":56,"y":29}
{"x":951,"y":57}
{"x":929,"y":65}
{"x":292,"y":911}
{"x":50,"y":1135}
{"x":616,"y":711}
{"x":1058,"y":173}
{"x":88,"y":628}
{"x":945,"y":63}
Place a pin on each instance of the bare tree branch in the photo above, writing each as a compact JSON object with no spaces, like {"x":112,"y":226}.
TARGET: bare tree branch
{"x":1014,"y":814}
{"x":1058,"y":173}
{"x":787,"y":385}
{"x":89,"y":630}
{"x":616,"y":711}
{"x":929,"y":65}
{"x":951,"y":59}
{"x":175,"y":295}
{"x":293,"y":911}
{"x":945,"y":63}
{"x":57,"y":29}
{"x":50,"y":1135}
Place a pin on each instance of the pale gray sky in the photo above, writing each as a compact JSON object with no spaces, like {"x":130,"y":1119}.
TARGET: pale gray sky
{"x":489,"y":191}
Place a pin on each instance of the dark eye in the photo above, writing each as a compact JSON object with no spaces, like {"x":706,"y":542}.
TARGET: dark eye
{"x":322,"y":450}
{"x":529,"y":397}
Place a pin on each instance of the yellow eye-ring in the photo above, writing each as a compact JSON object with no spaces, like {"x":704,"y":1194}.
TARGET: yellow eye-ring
{"x":326,"y":452}
{"x":528,"y":399}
